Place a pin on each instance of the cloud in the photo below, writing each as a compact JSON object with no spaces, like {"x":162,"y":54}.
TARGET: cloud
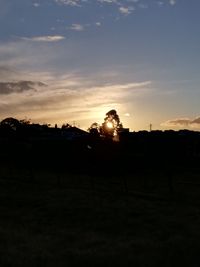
{"x":78,"y":3}
{"x":11,"y":54}
{"x":48,"y":38}
{"x":69,"y":2}
{"x":125,"y":7}
{"x":160,"y":3}
{"x":126,"y":10}
{"x":183,"y":123}
{"x":98,"y":24}
{"x":172,"y":2}
{"x":66,"y":98}
{"x":8,"y":74}
{"x":109,"y":1}
{"x":76,"y":27}
{"x":36,"y":4}
{"x":18,"y":87}
{"x":32,"y":55}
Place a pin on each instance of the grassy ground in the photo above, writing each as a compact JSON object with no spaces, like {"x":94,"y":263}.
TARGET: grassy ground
{"x":50,"y":219}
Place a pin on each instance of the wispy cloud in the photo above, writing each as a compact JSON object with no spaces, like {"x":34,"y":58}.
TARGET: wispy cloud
{"x":36,"y":4}
{"x":172,"y":2}
{"x":48,"y":38}
{"x":30,"y":54}
{"x":160,"y":3}
{"x":7,"y":88}
{"x":68,"y":97}
{"x":183,"y":123}
{"x":98,"y":24}
{"x":125,"y":7}
{"x":76,"y":27}
{"x":126,"y":10}
{"x":109,"y":1}
{"x":69,"y":2}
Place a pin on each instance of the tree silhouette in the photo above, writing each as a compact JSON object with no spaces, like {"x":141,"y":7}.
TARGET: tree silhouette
{"x":94,"y":129}
{"x":10,"y":123}
{"x":111,"y":124}
{"x":66,"y":126}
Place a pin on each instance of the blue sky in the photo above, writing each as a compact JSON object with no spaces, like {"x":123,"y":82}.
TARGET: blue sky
{"x":140,"y":57}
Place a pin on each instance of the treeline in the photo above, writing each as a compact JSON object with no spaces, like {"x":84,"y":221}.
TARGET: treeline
{"x":71,"y":149}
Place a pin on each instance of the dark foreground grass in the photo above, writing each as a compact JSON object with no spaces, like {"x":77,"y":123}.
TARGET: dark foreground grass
{"x":79,"y":224}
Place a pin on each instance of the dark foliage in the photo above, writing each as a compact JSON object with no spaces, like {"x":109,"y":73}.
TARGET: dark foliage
{"x":69,"y":147}
{"x":54,"y":213}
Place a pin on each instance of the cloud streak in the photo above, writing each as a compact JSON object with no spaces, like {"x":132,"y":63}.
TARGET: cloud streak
{"x":183,"y":123}
{"x":125,"y":7}
{"x":126,"y":10}
{"x":76,"y":27}
{"x":172,"y":2}
{"x":18,"y":87}
{"x":69,"y":2}
{"x":49,"y":38}
{"x":66,"y":98}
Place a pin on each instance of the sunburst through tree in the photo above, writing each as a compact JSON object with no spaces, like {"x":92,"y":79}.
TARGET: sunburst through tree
{"x":109,"y":128}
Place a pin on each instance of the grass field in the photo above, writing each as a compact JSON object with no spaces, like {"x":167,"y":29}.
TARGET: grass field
{"x":70,"y":219}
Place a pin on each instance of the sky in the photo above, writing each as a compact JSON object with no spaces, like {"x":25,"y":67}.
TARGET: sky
{"x":71,"y":61}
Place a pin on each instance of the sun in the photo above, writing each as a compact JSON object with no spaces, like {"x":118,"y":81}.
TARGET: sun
{"x":109,"y":125}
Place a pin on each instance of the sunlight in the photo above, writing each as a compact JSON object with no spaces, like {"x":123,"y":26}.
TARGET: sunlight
{"x":109,"y":125}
